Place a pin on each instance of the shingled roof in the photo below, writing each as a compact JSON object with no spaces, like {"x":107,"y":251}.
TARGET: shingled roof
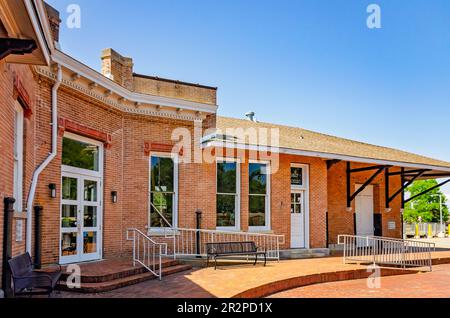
{"x":330,"y":146}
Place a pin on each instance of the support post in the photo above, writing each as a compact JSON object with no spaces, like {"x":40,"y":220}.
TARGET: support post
{"x":37,"y":236}
{"x":326,"y":228}
{"x":386,"y":188}
{"x":198,"y":215}
{"x":354,"y":224}
{"x":402,"y":177}
{"x":7,"y":245}
{"x":349,"y":194}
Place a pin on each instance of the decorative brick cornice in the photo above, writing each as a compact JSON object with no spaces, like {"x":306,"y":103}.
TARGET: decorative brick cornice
{"x":108,"y":100}
{"x":22,"y":96}
{"x":79,"y":129}
{"x":158,"y":147}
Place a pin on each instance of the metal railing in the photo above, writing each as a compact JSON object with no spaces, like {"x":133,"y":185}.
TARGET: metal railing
{"x":147,"y":252}
{"x":192,"y":242}
{"x":386,"y":251}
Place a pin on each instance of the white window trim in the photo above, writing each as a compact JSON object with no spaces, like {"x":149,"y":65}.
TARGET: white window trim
{"x":237,"y":216}
{"x":86,"y":172}
{"x":18,"y":181}
{"x":305,"y":190}
{"x":268,"y":214}
{"x":175,"y":158}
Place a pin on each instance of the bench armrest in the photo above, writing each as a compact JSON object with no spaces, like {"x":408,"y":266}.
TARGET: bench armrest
{"x":51,"y":264}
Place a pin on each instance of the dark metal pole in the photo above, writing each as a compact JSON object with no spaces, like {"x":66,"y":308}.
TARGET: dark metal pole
{"x":402,"y":176}
{"x":326,"y":227}
{"x":349,"y":201}
{"x":354,"y":223}
{"x":7,"y":245}
{"x":386,"y":187}
{"x":198,"y":214}
{"x":37,"y":236}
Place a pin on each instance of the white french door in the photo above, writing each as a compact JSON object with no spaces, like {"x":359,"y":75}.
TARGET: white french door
{"x":81,"y":200}
{"x":81,"y":218}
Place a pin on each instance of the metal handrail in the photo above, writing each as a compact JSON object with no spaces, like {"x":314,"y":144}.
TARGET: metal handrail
{"x":147,"y":252}
{"x":386,"y":251}
{"x":192,"y":242}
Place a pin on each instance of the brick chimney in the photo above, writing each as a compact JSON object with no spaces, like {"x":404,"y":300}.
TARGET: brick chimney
{"x":118,"y":68}
{"x":54,"y":21}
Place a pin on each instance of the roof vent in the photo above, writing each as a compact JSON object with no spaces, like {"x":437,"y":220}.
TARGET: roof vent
{"x":251,"y":116}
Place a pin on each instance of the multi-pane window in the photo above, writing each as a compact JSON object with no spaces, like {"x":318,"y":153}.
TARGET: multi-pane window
{"x":227,"y":194}
{"x":297,"y":205}
{"x":258,"y":194}
{"x":18,"y":157}
{"x":80,"y":154}
{"x":162,"y":192}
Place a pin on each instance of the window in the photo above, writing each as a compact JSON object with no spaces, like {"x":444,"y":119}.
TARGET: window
{"x":297,"y":177}
{"x":227,"y":198}
{"x":18,"y":157}
{"x":297,"y":204}
{"x":162,"y":192}
{"x":79,"y":154}
{"x":259,"y":217}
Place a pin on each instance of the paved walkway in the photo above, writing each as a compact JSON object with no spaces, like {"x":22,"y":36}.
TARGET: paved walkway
{"x":435,"y":284}
{"x":244,"y":280}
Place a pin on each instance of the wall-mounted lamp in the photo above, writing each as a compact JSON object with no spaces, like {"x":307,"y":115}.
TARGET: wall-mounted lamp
{"x":52,"y":187}
{"x":114,"y":196}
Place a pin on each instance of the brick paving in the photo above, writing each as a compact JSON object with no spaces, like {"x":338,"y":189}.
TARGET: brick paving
{"x":435,"y":284}
{"x":243,"y":280}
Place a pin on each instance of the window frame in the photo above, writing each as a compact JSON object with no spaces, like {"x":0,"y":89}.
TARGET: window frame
{"x":175,"y":158}
{"x":237,"y":207}
{"x":86,"y":172}
{"x":18,"y":149}
{"x":267,"y":227}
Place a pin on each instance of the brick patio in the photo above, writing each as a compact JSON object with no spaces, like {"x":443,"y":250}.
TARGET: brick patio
{"x":423,"y":285}
{"x":249,"y":281}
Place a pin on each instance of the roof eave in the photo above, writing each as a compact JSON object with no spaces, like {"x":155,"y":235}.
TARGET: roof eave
{"x":323,"y":155}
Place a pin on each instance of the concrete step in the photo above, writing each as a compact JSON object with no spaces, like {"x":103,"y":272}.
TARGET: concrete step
{"x":302,"y":253}
{"x":111,"y":270}
{"x":108,"y":285}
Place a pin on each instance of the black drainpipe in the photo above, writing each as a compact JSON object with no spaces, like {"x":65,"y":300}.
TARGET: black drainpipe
{"x":7,"y":245}
{"x":37,"y":236}
{"x":198,"y":214}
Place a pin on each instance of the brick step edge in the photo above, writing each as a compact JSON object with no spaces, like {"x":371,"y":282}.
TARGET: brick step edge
{"x":101,"y":287}
{"x":120,"y":274}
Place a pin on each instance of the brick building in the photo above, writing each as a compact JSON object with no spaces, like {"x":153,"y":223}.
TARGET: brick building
{"x":102,"y":152}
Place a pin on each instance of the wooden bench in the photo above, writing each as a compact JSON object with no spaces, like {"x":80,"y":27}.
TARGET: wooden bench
{"x":26,"y":280}
{"x":226,"y":249}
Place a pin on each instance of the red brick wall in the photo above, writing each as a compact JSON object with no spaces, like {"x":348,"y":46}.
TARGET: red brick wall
{"x":7,"y":104}
{"x":340,"y":220}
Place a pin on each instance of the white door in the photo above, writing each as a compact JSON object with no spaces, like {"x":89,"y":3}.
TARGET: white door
{"x":298,"y":219}
{"x":81,"y":218}
{"x":364,"y":212}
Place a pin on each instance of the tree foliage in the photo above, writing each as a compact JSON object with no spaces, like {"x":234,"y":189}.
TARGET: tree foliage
{"x":427,"y":205}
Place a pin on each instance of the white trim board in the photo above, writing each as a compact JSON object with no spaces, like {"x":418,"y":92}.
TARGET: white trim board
{"x":323,"y":155}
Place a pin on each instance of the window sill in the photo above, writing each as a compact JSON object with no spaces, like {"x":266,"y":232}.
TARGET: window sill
{"x":260,"y":230}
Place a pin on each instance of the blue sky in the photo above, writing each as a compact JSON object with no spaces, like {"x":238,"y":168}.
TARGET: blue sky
{"x":307,"y":63}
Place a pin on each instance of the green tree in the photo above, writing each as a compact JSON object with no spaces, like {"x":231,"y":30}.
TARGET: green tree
{"x":427,"y":205}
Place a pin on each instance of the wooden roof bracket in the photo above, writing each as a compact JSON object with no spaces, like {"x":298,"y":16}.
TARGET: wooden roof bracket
{"x":351,"y":196}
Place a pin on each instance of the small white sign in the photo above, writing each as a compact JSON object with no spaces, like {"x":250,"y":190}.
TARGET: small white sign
{"x":391,"y":225}
{"x":19,"y":230}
